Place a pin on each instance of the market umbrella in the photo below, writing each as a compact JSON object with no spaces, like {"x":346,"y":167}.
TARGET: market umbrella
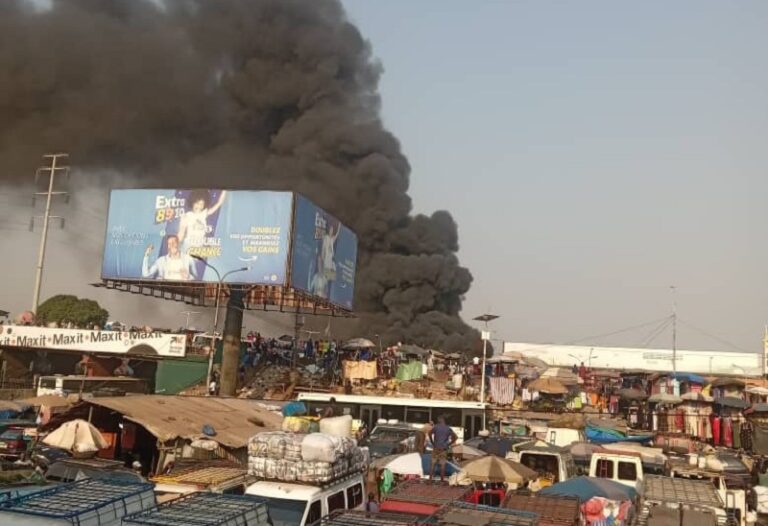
{"x":632,"y":394}
{"x":413,"y":349}
{"x":762,"y":391}
{"x":561,"y":374}
{"x":720,"y":382}
{"x":466,"y":451}
{"x":665,"y":398}
{"x":496,"y":469}
{"x":411,"y":464}
{"x":757,"y":408}
{"x":731,"y":401}
{"x":696,"y":397}
{"x":503,"y":358}
{"x":585,"y":488}
{"x":547,"y":386}
{"x":358,"y":343}
{"x":77,"y":436}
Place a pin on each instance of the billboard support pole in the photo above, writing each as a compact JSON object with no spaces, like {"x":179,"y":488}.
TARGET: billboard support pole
{"x":230,"y":352}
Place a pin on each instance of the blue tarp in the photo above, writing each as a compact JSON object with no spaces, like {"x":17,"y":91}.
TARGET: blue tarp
{"x":688,"y":377}
{"x":584,"y":488}
{"x":604,"y":435}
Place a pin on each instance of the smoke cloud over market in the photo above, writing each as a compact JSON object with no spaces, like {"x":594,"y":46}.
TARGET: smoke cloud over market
{"x":262,"y":94}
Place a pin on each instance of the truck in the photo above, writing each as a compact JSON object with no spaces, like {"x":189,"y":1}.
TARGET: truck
{"x":667,"y":500}
{"x":295,"y":504}
{"x":462,"y":513}
{"x":732,"y":492}
{"x":204,"y":509}
{"x":624,"y":467}
{"x":553,"y":463}
{"x":85,"y":503}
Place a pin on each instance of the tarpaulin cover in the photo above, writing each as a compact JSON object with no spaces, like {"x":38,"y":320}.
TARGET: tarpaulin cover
{"x":361,"y":370}
{"x":586,"y":487}
{"x":604,"y":435}
{"x":409,"y":371}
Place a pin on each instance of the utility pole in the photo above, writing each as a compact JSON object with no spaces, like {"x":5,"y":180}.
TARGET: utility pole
{"x":486,"y":335}
{"x":765,"y":352}
{"x":674,"y":330}
{"x":51,"y":172}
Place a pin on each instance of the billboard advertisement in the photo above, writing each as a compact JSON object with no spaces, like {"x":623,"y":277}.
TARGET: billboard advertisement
{"x":178,"y":235}
{"x":107,"y":342}
{"x":323,"y":255}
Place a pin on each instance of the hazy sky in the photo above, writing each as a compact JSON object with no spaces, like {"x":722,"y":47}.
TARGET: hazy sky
{"x":593,"y":153}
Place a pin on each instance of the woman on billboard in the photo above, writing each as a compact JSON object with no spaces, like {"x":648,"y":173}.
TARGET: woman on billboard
{"x":194,"y":227}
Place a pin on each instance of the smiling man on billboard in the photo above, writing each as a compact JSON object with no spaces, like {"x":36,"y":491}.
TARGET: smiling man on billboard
{"x":173,"y":266}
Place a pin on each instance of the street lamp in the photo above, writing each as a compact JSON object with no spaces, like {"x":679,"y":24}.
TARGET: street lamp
{"x":485,"y":318}
{"x":221,"y":279}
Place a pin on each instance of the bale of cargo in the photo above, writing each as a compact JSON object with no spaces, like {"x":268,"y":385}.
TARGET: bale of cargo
{"x":278,"y":445}
{"x":340,"y":426}
{"x":321,"y":447}
{"x":294,"y":409}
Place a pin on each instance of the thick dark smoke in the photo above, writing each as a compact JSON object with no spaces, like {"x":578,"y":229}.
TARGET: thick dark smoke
{"x":273,"y":94}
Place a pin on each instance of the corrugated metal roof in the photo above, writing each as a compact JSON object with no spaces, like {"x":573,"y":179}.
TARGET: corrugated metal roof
{"x":171,"y":417}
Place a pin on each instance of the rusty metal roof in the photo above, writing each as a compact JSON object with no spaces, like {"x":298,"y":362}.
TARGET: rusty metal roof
{"x":171,"y":417}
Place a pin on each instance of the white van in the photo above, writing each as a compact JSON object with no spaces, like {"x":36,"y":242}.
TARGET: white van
{"x":292,"y":504}
{"x":624,"y":467}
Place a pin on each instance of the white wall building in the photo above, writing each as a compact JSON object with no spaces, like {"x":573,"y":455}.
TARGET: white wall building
{"x":624,"y":358}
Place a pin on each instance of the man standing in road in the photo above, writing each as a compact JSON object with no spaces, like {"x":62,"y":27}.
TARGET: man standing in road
{"x":442,"y":437}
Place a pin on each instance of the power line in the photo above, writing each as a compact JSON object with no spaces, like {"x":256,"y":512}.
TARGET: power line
{"x":716,"y":338}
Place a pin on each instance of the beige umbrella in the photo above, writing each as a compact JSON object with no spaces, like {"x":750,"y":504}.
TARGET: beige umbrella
{"x":78,"y":436}
{"x":548,"y":386}
{"x":496,"y":469}
{"x":466,"y":452}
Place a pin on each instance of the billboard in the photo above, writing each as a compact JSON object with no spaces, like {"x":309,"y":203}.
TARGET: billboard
{"x":178,"y":235}
{"x":107,"y":342}
{"x":323,"y":255}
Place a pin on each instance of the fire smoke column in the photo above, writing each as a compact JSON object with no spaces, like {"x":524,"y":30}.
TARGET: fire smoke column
{"x":255,"y":94}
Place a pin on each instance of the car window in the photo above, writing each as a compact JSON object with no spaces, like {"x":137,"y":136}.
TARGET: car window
{"x":604,"y":468}
{"x":354,"y":496}
{"x":336,"y":502}
{"x":627,"y":471}
{"x":315,"y":512}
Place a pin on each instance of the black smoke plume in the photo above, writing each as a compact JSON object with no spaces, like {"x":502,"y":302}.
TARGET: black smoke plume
{"x":271,"y":94}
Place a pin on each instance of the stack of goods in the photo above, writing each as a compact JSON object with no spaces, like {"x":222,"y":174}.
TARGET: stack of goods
{"x":314,"y":458}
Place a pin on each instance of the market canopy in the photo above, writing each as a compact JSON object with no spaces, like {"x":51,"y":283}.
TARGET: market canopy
{"x":732,"y":402}
{"x":466,"y":452}
{"x":548,"y":386}
{"x":562,"y":375}
{"x":665,"y":398}
{"x":632,"y":394}
{"x":497,"y":469}
{"x":503,"y":358}
{"x":721,"y":382}
{"x":762,"y":391}
{"x":585,"y":488}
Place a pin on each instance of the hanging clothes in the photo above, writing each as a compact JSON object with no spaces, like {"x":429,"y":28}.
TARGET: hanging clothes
{"x":746,"y":435}
{"x":737,"y":434}
{"x":680,"y":421}
{"x":716,"y":430}
{"x":727,"y":432}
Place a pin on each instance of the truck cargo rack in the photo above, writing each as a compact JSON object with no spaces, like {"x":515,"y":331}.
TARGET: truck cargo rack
{"x":428,"y":492}
{"x":463,"y":513}
{"x":321,"y":485}
{"x":552,"y":510}
{"x":203,"y":509}
{"x":364,"y":518}
{"x":68,"y":501}
{"x":203,"y":476}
